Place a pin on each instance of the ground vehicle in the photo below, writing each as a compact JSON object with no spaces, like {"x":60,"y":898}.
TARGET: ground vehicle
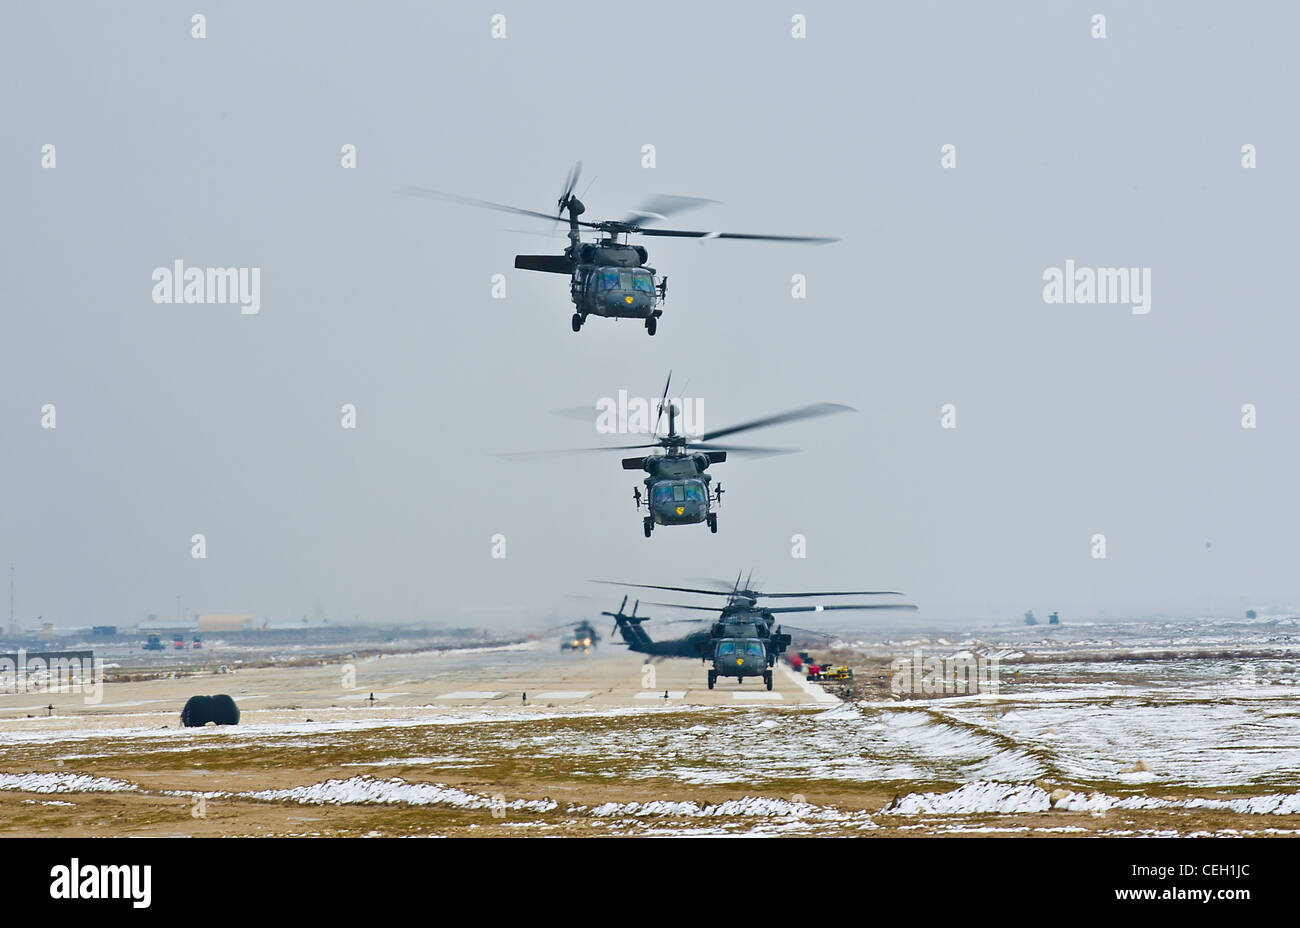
{"x":154,"y":643}
{"x":823,"y":674}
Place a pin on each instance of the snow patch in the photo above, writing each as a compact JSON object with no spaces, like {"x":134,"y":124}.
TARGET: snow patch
{"x":62,"y":783}
{"x":366,"y":790}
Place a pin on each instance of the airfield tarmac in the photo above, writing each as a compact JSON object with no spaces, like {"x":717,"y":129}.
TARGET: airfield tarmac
{"x":449,"y":746}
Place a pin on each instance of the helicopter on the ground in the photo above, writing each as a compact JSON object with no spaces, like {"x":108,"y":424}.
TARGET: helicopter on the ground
{"x":744,"y":640}
{"x":678,"y":491}
{"x":581,"y":637}
{"x":609,"y":277}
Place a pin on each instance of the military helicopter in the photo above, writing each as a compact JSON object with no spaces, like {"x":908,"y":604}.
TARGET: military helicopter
{"x":745,"y":639}
{"x":609,"y":277}
{"x":583,"y":636}
{"x":678,"y":491}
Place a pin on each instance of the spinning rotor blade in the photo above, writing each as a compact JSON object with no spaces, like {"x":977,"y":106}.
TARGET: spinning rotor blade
{"x":904,"y":607}
{"x":836,"y":593}
{"x":681,"y":233}
{"x":675,"y":589}
{"x":809,"y":631}
{"x":684,"y":606}
{"x":793,"y":415}
{"x":529,"y":455}
{"x":663,"y":205}
{"x":743,"y":449}
{"x":482,"y":204}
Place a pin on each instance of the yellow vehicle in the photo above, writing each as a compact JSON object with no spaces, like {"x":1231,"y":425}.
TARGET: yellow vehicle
{"x":824,"y":674}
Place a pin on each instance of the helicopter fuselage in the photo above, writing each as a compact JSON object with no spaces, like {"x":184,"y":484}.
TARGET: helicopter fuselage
{"x":678,"y":492}
{"x":611,"y":279}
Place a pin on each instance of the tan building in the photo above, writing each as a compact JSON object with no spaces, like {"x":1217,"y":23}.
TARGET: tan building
{"x":231,"y":622}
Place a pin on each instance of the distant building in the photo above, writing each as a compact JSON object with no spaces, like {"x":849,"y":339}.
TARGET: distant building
{"x":231,"y":622}
{"x":1053,"y":619}
{"x":1029,"y":618}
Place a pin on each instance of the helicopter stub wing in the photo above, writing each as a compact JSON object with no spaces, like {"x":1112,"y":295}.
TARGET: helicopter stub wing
{"x":549,"y":264}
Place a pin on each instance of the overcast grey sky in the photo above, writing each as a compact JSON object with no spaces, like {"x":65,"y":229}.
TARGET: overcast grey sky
{"x":1072,"y":420}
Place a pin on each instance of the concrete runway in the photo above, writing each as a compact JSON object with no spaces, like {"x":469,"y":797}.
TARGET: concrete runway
{"x":490,"y":678}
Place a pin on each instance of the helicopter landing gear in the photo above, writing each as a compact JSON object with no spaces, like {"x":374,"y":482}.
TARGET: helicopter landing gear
{"x":713,"y":523}
{"x":713,"y":678}
{"x":651,"y":324}
{"x":649,"y":526}
{"x":577,"y":321}
{"x":767,"y":678}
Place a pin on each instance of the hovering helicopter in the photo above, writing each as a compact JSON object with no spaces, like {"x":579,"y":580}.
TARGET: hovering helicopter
{"x":609,"y":277}
{"x":745,"y":639}
{"x":678,"y":491}
{"x":583,"y":636}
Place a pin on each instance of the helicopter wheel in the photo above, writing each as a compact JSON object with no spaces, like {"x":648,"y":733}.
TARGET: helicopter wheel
{"x":651,"y":324}
{"x":577,"y":321}
{"x":649,"y":527}
{"x":767,"y":678}
{"x":713,"y":523}
{"x":713,"y":678}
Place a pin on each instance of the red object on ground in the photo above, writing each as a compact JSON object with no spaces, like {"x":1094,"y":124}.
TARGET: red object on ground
{"x":814,"y":669}
{"x":796,"y":662}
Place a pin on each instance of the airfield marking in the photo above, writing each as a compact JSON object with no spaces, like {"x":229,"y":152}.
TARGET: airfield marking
{"x":470,"y":695}
{"x":761,"y":694}
{"x":565,"y":694}
{"x":812,"y":689}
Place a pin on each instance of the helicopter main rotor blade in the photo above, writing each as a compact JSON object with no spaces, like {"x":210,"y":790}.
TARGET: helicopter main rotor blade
{"x":857,"y":607}
{"x":793,"y":415}
{"x":682,"y":233}
{"x":681,"y":606}
{"x":482,"y":204}
{"x":529,"y":455}
{"x":663,"y":205}
{"x":836,"y":593}
{"x":674,"y":589}
{"x":808,"y":631}
{"x":743,"y":449}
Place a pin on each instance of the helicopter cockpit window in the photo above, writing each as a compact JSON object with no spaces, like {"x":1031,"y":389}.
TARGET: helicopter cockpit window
{"x":726,"y":647}
{"x":754,"y":647}
{"x":679,"y":493}
{"x":663,"y":494}
{"x":609,"y":280}
{"x":695,"y":492}
{"x":643,"y":282}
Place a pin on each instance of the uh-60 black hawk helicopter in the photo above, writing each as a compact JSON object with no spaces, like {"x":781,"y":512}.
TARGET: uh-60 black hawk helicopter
{"x":678,"y":491}
{"x":744,"y":640}
{"x":581,"y":637}
{"x":609,"y":277}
